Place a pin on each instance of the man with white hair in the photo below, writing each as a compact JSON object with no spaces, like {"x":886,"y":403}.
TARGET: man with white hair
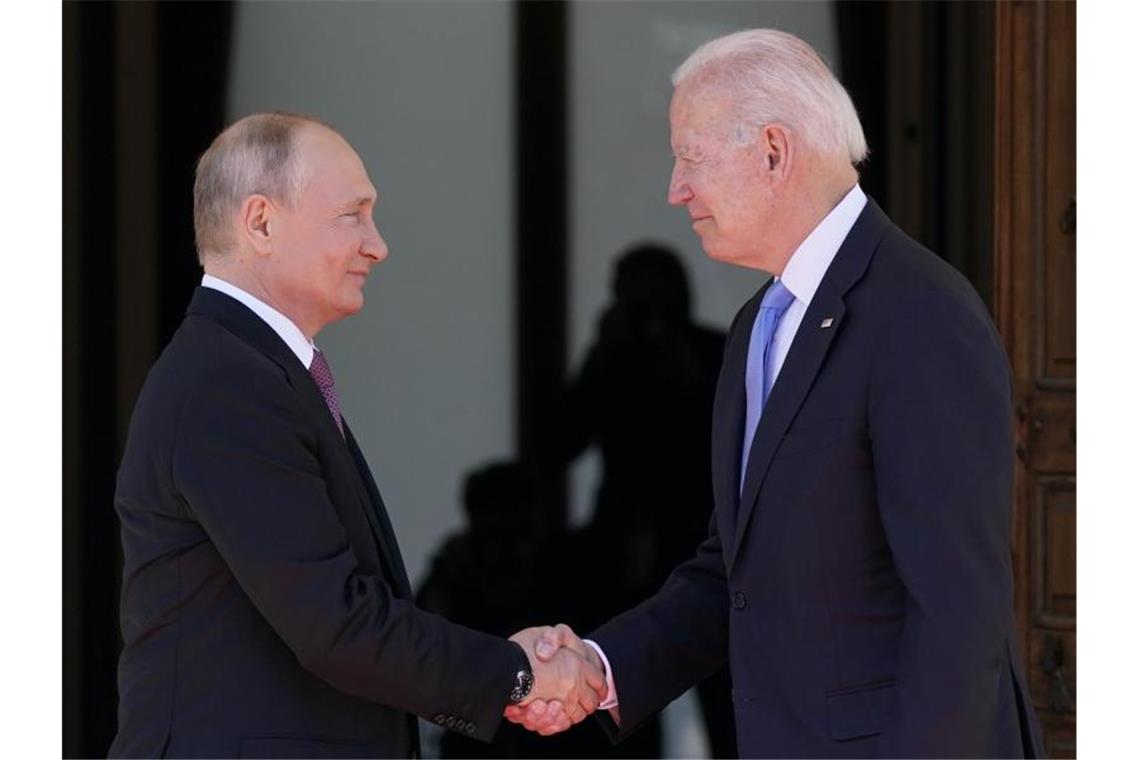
{"x":265,"y":607}
{"x":857,"y":572}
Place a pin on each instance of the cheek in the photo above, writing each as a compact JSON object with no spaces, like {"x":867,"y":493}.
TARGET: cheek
{"x":338,"y":252}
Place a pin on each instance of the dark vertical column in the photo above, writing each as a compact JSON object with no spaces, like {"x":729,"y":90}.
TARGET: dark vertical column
{"x":194,"y":53}
{"x":91,"y":641}
{"x":937,"y":109}
{"x":862,"y":68}
{"x":540,"y":240}
{"x":143,"y":94}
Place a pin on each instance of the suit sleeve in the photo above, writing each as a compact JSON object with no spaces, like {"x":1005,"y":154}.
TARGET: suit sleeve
{"x":245,"y":466}
{"x":940,"y":426}
{"x":676,"y":638}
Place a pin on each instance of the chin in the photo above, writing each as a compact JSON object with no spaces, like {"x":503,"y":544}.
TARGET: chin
{"x":715,"y":252}
{"x":352,"y":305}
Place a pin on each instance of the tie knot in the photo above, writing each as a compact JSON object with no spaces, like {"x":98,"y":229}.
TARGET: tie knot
{"x":777,"y":297}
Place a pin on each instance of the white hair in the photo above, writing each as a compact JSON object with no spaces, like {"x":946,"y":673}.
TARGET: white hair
{"x":253,"y":155}
{"x":773,"y":76}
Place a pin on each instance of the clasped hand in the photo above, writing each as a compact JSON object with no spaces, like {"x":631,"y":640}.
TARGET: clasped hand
{"x":569,"y":680}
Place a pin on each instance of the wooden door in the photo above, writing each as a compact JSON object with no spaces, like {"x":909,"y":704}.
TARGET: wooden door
{"x":1035,"y":308}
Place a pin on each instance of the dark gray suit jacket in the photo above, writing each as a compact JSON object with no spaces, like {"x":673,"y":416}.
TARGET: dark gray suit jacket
{"x":265,"y":606}
{"x":861,"y":587}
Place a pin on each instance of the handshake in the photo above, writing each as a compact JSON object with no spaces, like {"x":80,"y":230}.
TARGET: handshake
{"x":569,"y":680}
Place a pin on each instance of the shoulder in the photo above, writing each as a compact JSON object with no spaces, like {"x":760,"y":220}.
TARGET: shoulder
{"x":914,"y":287}
{"x":208,"y":352}
{"x":927,"y":319}
{"x":206,"y":368}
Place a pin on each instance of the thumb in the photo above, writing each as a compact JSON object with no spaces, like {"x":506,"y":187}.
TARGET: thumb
{"x":548,"y":644}
{"x":596,"y":680}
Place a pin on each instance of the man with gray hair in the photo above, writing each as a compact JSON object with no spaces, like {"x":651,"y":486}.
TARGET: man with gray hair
{"x":857,"y":573}
{"x":265,"y":607}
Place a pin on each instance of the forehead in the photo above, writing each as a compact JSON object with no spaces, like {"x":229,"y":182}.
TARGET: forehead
{"x":698,"y":114}
{"x":334,"y":171}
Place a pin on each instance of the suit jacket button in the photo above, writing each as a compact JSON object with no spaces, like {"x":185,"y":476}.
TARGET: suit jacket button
{"x":470,"y":728}
{"x":739,"y":600}
{"x":439,"y":719}
{"x":450,"y":722}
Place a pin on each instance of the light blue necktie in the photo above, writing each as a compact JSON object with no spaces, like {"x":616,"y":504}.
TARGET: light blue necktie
{"x":760,"y":371}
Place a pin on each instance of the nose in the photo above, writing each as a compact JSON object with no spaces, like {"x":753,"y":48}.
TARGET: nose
{"x":679,"y":191}
{"x":374,"y":246}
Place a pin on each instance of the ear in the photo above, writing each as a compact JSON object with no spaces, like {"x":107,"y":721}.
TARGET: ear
{"x":258,"y":220}
{"x":777,"y":152}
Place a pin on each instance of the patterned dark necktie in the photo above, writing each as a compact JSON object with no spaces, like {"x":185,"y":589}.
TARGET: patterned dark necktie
{"x":319,"y":369}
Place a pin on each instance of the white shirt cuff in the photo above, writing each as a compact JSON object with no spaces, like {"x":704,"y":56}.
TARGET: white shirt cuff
{"x":611,"y":693}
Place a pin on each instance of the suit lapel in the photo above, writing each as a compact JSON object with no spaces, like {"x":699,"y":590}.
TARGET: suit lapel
{"x":728,"y":419}
{"x":805,"y":357}
{"x":378,"y":518}
{"x":348,"y":462}
{"x":801,"y":366}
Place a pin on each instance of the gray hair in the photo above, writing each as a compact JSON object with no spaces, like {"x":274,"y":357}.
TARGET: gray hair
{"x":253,"y":155}
{"x":775,"y":76}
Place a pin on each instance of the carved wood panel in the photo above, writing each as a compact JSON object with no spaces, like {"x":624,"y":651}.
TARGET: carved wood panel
{"x":1035,"y":309}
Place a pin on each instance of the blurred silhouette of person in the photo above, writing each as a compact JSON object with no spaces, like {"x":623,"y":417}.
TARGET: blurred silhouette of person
{"x":494,"y":576}
{"x":483,"y":576}
{"x":644,"y":397}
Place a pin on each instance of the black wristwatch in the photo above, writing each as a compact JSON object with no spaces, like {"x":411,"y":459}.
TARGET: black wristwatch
{"x":524,"y":678}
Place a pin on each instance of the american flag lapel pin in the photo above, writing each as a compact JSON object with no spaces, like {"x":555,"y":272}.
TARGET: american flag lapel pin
{"x":826,"y":323}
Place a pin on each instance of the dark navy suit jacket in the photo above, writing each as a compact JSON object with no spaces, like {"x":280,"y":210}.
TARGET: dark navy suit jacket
{"x":265,"y":606}
{"x":861,"y":587}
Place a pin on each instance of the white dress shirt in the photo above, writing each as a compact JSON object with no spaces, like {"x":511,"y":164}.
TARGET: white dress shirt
{"x":805,"y":270}
{"x":281,"y":324}
{"x":802,"y":275}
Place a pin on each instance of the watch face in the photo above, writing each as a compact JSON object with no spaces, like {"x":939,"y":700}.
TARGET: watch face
{"x":524,"y":680}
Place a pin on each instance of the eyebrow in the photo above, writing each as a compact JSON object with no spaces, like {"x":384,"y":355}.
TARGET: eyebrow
{"x":361,"y":201}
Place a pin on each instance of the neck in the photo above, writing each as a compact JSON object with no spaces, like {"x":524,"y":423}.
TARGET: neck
{"x":233,"y":270}
{"x":809,"y":206}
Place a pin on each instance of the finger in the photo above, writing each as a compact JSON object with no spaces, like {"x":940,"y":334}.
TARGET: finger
{"x":595,"y":679}
{"x":567,"y":638}
{"x":553,"y":715}
{"x":576,"y":713}
{"x":562,"y":724}
{"x":588,"y":698}
{"x":530,"y":640}
{"x":556,"y":715}
{"x":548,"y":644}
{"x":536,"y":709}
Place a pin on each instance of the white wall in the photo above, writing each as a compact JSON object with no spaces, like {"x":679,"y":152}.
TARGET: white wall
{"x":423,"y":92}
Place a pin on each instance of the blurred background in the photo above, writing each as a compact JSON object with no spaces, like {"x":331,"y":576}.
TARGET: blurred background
{"x":541,"y":298}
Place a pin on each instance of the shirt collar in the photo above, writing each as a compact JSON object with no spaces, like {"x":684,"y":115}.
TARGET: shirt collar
{"x":281,"y":324}
{"x":805,"y":270}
